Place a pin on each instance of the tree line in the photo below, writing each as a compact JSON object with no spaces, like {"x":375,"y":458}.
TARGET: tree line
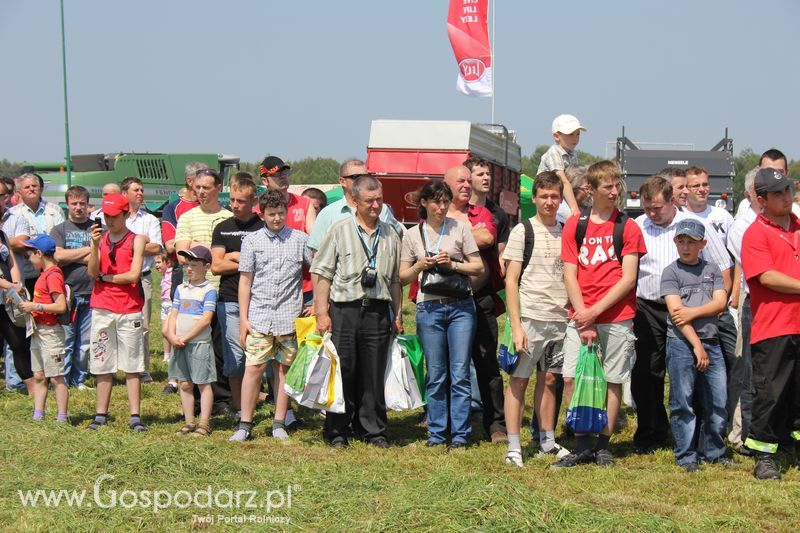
{"x":312,"y":170}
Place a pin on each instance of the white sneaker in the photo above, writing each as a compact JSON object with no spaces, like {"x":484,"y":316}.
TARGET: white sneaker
{"x":558,"y":451}
{"x":514,"y":457}
{"x":83,"y":386}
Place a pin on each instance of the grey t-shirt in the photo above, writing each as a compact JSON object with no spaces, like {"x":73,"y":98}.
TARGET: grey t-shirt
{"x":695,"y":284}
{"x":71,"y":235}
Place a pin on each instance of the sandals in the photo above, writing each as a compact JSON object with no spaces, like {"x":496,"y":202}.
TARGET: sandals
{"x":95,"y":425}
{"x":186,"y":430}
{"x":203,"y":430}
{"x":137,"y":426}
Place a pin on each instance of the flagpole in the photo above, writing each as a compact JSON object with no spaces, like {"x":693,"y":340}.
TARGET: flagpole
{"x":494,"y":66}
{"x":66,"y":110}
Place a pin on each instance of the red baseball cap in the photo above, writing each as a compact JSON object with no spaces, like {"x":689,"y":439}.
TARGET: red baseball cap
{"x":114,"y":204}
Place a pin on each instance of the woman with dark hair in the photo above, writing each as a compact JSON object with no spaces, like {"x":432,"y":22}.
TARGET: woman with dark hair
{"x":445,"y":324}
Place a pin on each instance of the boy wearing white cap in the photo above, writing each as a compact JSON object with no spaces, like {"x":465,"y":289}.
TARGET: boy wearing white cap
{"x":567,"y":133}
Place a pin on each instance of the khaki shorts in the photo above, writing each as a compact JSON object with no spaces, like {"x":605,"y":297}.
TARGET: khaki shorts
{"x":117,"y":341}
{"x":545,"y":348}
{"x":615,"y":348}
{"x":47,"y":350}
{"x":261,"y":348}
{"x":193,"y":363}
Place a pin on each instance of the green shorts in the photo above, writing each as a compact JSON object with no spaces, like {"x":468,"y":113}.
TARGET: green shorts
{"x":193,"y":363}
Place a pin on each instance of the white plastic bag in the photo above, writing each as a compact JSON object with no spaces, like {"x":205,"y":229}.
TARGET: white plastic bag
{"x":401,"y":391}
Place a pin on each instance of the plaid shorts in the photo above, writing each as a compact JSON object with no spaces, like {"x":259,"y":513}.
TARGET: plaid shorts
{"x":260,"y":348}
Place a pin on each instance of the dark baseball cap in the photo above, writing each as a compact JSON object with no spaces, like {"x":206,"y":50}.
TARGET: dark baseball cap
{"x":691,"y":228}
{"x":272,"y":165}
{"x":197,"y":252}
{"x":770,"y":180}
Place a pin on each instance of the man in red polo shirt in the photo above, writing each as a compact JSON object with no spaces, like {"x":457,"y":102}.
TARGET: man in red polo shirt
{"x":115,"y":262}
{"x":771,"y":263}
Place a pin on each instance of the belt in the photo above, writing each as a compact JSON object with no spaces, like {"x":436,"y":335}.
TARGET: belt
{"x":446,"y":300}
{"x":363,"y":302}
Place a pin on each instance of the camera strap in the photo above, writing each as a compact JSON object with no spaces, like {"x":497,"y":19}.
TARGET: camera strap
{"x":372,"y":255}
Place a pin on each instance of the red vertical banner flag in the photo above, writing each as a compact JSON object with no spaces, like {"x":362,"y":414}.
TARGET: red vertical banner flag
{"x":468,"y":30}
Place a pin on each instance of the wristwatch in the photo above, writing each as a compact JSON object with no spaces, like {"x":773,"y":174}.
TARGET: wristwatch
{"x":40,"y":307}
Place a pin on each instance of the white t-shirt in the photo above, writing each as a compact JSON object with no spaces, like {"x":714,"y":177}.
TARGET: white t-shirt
{"x":717,"y":222}
{"x":542,"y":293}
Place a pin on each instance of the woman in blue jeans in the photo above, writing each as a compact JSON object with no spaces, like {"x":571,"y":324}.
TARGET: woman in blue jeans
{"x":445,"y":325}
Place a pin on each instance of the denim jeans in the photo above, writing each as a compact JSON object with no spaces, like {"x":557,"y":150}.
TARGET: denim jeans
{"x":13,"y":381}
{"x":232,"y":352}
{"x":684,"y":378}
{"x":446,"y":331}
{"x":77,"y":339}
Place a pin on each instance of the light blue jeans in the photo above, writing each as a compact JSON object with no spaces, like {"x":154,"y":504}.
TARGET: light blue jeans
{"x":13,"y":381}
{"x":77,"y":339}
{"x":711,"y":386}
{"x":232,"y":352}
{"x":446,"y":332}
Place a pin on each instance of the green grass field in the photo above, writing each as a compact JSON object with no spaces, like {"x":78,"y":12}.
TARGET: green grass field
{"x":360,"y":488}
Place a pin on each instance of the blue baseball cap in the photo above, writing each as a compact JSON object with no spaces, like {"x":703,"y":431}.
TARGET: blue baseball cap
{"x":43,"y":242}
{"x":691,"y":228}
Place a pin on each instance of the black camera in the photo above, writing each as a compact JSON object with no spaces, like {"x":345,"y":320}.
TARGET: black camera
{"x":369,"y":276}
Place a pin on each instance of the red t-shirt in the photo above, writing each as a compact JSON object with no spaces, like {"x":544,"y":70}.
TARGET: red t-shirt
{"x":766,"y":246}
{"x":48,"y":286}
{"x":296,"y":213}
{"x":598,"y":267}
{"x":477,"y":214}
{"x":122,"y":299}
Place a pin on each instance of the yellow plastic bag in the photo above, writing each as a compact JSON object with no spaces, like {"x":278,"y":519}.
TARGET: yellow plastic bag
{"x":304,"y":325}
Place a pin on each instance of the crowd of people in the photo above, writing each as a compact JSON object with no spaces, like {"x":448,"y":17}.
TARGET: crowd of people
{"x":684,"y":289}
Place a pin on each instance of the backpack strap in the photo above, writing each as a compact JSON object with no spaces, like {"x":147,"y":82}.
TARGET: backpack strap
{"x":619,"y":230}
{"x":530,"y":237}
{"x":580,"y":229}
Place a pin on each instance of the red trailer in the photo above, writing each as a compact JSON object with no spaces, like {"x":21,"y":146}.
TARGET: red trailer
{"x":404,"y":154}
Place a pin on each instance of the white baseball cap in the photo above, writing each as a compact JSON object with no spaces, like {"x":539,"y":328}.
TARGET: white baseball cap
{"x":567,"y":124}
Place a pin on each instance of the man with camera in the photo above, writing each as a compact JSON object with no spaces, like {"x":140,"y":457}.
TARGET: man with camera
{"x":358,"y":297}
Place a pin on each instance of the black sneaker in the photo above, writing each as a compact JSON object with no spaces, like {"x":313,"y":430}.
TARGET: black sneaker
{"x":574,"y":459}
{"x":766,"y":468}
{"x":690,"y":467}
{"x":381,"y":443}
{"x":603,"y":458}
{"x":169,"y":389}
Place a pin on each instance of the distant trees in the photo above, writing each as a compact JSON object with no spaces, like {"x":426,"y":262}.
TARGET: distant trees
{"x":7,"y":168}
{"x":305,"y":171}
{"x":530,"y":163}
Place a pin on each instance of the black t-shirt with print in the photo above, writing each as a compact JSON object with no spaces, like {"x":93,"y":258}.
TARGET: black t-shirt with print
{"x":229,"y":234}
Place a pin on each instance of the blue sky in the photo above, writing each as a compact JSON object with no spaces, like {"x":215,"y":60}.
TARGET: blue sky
{"x":305,"y":78}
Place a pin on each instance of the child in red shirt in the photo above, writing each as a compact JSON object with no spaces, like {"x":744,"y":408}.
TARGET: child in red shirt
{"x":47,"y":342}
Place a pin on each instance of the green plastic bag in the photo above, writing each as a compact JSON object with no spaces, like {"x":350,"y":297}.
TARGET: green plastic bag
{"x":296,"y":375}
{"x":587,"y":410}
{"x":507,"y":356}
{"x":413,"y":350}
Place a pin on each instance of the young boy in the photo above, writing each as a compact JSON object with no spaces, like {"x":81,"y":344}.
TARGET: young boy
{"x":317,"y":198}
{"x":189,"y":333}
{"x":270,"y":298}
{"x":47,"y":343}
{"x":164,"y":266}
{"x":567,"y":133}
{"x":600,"y":277}
{"x":537,"y":310}
{"x":694,"y":292}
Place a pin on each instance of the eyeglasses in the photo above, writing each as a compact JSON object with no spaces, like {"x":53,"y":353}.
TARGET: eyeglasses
{"x":355,"y":176}
{"x":207,"y":172}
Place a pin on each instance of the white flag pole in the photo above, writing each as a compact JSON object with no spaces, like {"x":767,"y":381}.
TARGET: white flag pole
{"x":494,"y":67}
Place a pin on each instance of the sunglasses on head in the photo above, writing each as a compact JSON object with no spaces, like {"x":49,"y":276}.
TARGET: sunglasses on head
{"x":355,"y":176}
{"x":207,"y":172}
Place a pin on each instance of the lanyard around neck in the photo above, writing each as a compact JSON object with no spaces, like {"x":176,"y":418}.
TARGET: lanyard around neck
{"x":439,"y":243}
{"x":372,"y":255}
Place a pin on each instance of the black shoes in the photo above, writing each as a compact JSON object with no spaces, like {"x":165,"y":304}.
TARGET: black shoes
{"x":766,"y":468}
{"x":575,"y":459}
{"x":691,"y":468}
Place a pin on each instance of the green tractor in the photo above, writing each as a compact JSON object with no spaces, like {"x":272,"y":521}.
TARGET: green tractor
{"x":161,"y":174}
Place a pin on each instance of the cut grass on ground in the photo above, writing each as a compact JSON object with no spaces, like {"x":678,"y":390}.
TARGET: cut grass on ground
{"x":360,"y":488}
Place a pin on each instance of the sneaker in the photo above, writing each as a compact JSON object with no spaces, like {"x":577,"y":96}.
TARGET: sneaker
{"x":558,"y":451}
{"x":766,"y":468}
{"x":279,"y":433}
{"x":574,"y":459}
{"x":339,"y":443}
{"x":146,"y":377}
{"x":169,"y":389}
{"x":381,"y":443}
{"x":603,"y":458}
{"x":291,"y":421}
{"x":456,"y":445}
{"x":83,"y":386}
{"x":514,"y":457}
{"x":240,"y":435}
{"x":691,"y":468}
